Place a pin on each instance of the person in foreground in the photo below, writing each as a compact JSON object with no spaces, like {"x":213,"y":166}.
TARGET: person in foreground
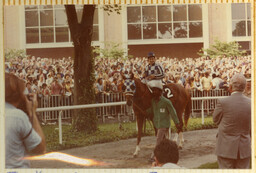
{"x":166,"y":155}
{"x":23,"y":134}
{"x":233,"y":117}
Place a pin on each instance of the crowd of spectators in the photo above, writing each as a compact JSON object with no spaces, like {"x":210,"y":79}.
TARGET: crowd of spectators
{"x":201,"y":74}
{"x":46,"y":76}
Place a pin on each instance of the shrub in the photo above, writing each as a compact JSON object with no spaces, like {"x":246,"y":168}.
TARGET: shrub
{"x":112,"y":50}
{"x":222,"y":49}
{"x":13,"y":53}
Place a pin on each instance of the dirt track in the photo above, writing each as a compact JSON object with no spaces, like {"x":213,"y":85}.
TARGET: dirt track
{"x":197,"y":150}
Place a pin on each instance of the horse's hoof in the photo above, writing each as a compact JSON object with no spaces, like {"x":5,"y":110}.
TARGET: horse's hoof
{"x":180,"y":147}
{"x":135,"y":155}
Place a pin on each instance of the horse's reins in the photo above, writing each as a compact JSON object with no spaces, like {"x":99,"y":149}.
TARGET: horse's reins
{"x":142,"y":111}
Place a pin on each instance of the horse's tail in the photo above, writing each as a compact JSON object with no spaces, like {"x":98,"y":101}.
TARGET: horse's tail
{"x":187,"y":110}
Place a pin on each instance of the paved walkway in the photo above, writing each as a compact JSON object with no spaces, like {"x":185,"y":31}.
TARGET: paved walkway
{"x":198,"y":149}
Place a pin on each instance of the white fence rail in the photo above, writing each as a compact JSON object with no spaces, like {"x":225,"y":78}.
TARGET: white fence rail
{"x":65,"y":108}
{"x":200,"y":100}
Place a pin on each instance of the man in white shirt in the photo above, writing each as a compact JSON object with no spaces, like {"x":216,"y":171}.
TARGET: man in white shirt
{"x":216,"y":81}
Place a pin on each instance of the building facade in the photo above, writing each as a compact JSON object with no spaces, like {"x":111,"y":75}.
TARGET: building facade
{"x":168,"y":30}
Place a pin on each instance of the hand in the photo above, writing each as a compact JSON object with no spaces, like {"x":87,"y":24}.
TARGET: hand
{"x":150,"y":77}
{"x":31,"y":104}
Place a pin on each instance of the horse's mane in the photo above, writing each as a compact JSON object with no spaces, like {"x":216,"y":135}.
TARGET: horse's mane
{"x":139,"y":84}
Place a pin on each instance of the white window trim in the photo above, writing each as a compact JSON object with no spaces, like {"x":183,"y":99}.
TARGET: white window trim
{"x":229,"y":28}
{"x":22,"y":27}
{"x":205,"y":21}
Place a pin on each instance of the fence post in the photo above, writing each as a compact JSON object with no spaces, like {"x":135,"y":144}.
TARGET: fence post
{"x":202,"y":113}
{"x":103,"y":108}
{"x":60,"y":127}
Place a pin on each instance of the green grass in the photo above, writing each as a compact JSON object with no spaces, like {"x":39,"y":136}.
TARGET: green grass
{"x":213,"y":165}
{"x":106,"y":133}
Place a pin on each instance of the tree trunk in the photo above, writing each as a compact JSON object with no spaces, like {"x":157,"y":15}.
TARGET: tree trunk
{"x":81,"y":34}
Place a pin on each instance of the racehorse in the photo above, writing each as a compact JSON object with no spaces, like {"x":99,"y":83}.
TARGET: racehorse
{"x":139,"y":96}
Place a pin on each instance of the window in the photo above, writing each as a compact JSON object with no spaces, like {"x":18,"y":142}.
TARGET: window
{"x":241,"y":19}
{"x":245,"y":45}
{"x":164,"y":22}
{"x":48,"y":24}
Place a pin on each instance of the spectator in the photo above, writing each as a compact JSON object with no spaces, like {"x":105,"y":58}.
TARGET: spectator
{"x":216,"y":81}
{"x":68,"y":78}
{"x":224,"y":84}
{"x":197,"y":83}
{"x":23,"y":133}
{"x":100,"y":88}
{"x":114,"y":88}
{"x":45,"y":91}
{"x":190,"y":84}
{"x":67,"y":89}
{"x":206,"y":82}
{"x":178,"y":80}
{"x":59,"y":78}
{"x":7,"y":67}
{"x":28,"y":89}
{"x":56,"y":87}
{"x":35,"y":87}
{"x":41,"y":80}
{"x":233,"y":117}
{"x":49,"y":79}
{"x":166,"y":155}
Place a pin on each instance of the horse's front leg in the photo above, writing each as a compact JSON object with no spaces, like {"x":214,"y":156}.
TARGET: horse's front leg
{"x":179,"y":136}
{"x":139,"y":125}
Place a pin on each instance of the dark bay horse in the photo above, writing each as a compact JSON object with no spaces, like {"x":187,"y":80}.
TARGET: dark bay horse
{"x":139,"y":96}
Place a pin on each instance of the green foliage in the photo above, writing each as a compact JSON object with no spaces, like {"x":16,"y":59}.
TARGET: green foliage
{"x":112,"y":8}
{"x":222,"y":49}
{"x":107,"y":133}
{"x":13,"y":53}
{"x":112,"y":50}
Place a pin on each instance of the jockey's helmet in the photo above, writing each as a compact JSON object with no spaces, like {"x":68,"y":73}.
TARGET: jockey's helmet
{"x":151,"y":54}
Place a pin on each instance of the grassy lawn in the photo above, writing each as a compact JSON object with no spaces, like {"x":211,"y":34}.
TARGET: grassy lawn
{"x":106,"y":133}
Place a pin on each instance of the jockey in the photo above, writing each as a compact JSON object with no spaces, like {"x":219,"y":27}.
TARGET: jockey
{"x":154,"y":72}
{"x":162,"y":111}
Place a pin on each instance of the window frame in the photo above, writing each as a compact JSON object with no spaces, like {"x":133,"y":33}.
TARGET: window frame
{"x":55,"y":44}
{"x":159,"y":40}
{"x":238,"y":20}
